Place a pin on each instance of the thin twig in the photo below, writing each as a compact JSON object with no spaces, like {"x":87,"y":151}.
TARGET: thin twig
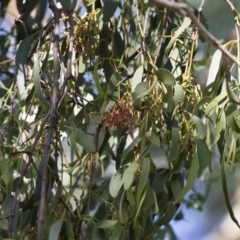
{"x":21,"y":11}
{"x":228,"y":81}
{"x":23,"y":173}
{"x":52,"y":119}
{"x":164,"y":29}
{"x":194,"y":37}
{"x":184,"y":10}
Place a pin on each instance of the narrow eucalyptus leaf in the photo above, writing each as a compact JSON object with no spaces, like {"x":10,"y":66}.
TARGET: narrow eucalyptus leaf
{"x":96,"y":78}
{"x":225,"y":192}
{"x":115,"y":184}
{"x":165,"y":77}
{"x":203,"y":155}
{"x":145,"y":167}
{"x":186,"y":23}
{"x":107,"y":224}
{"x":200,"y":127}
{"x":128,"y":175}
{"x":137,"y":78}
{"x":190,"y":181}
{"x":158,"y":157}
{"x":231,"y":112}
{"x":116,"y":231}
{"x":214,"y":67}
{"x":55,"y":230}
{"x":139,"y":92}
{"x":5,"y":173}
{"x":83,"y":139}
{"x":110,"y":6}
{"x":37,"y":85}
{"x":174,"y":144}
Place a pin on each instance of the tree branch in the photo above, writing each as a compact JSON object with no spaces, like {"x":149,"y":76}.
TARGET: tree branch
{"x":52,"y":119}
{"x":184,"y":10}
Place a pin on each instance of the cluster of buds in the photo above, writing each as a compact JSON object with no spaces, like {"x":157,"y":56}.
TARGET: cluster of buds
{"x":121,"y":116}
{"x":85,"y":36}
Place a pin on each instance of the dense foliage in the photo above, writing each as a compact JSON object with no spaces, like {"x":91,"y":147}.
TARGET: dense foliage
{"x":104,"y":129}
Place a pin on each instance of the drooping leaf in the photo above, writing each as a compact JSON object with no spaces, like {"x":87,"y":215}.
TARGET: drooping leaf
{"x":214,"y":67}
{"x":190,"y":181}
{"x":55,"y":230}
{"x":158,"y":157}
{"x":186,"y":23}
{"x":225,"y":192}
{"x":4,"y":169}
{"x":203,"y":155}
{"x":145,"y":167}
{"x":115,"y":184}
{"x":174,"y":145}
{"x":138,"y":93}
{"x":231,"y":113}
{"x":128,"y":175}
{"x":123,"y":213}
{"x":137,"y":78}
{"x":21,"y":62}
{"x":96,"y":78}
{"x":107,"y":224}
{"x":110,"y":6}
{"x":37,"y":85}
{"x":83,"y":139}
{"x":116,"y":231}
{"x":165,"y":77}
{"x":200,"y":127}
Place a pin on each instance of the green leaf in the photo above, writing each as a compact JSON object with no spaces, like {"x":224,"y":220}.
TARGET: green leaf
{"x":231,"y":114}
{"x":116,"y":231}
{"x":21,"y":62}
{"x":165,"y":77}
{"x":83,"y":139}
{"x":216,"y":101}
{"x":190,"y":181}
{"x":116,"y":77}
{"x":130,"y":147}
{"x":130,"y":197}
{"x":214,"y":67}
{"x":123,"y":213}
{"x":55,"y":230}
{"x":128,"y":175}
{"x":159,"y":181}
{"x":149,"y":198}
{"x":186,"y":23}
{"x":115,"y":184}
{"x":154,"y":207}
{"x":203,"y":155}
{"x":109,"y":9}
{"x":179,"y":94}
{"x":137,"y":78}
{"x":4,"y":169}
{"x":138,"y":93}
{"x":107,"y":224}
{"x":92,"y":126}
{"x":200,"y":127}
{"x":118,"y":45}
{"x":37,"y":85}
{"x":174,"y":145}
{"x":145,"y":167}
{"x":158,"y":157}
{"x":201,"y":102}
{"x":220,"y":126}
{"x":96,"y":78}
{"x":150,"y":88}
{"x":176,"y":184}
{"x":81,"y":65}
{"x":225,"y":192}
